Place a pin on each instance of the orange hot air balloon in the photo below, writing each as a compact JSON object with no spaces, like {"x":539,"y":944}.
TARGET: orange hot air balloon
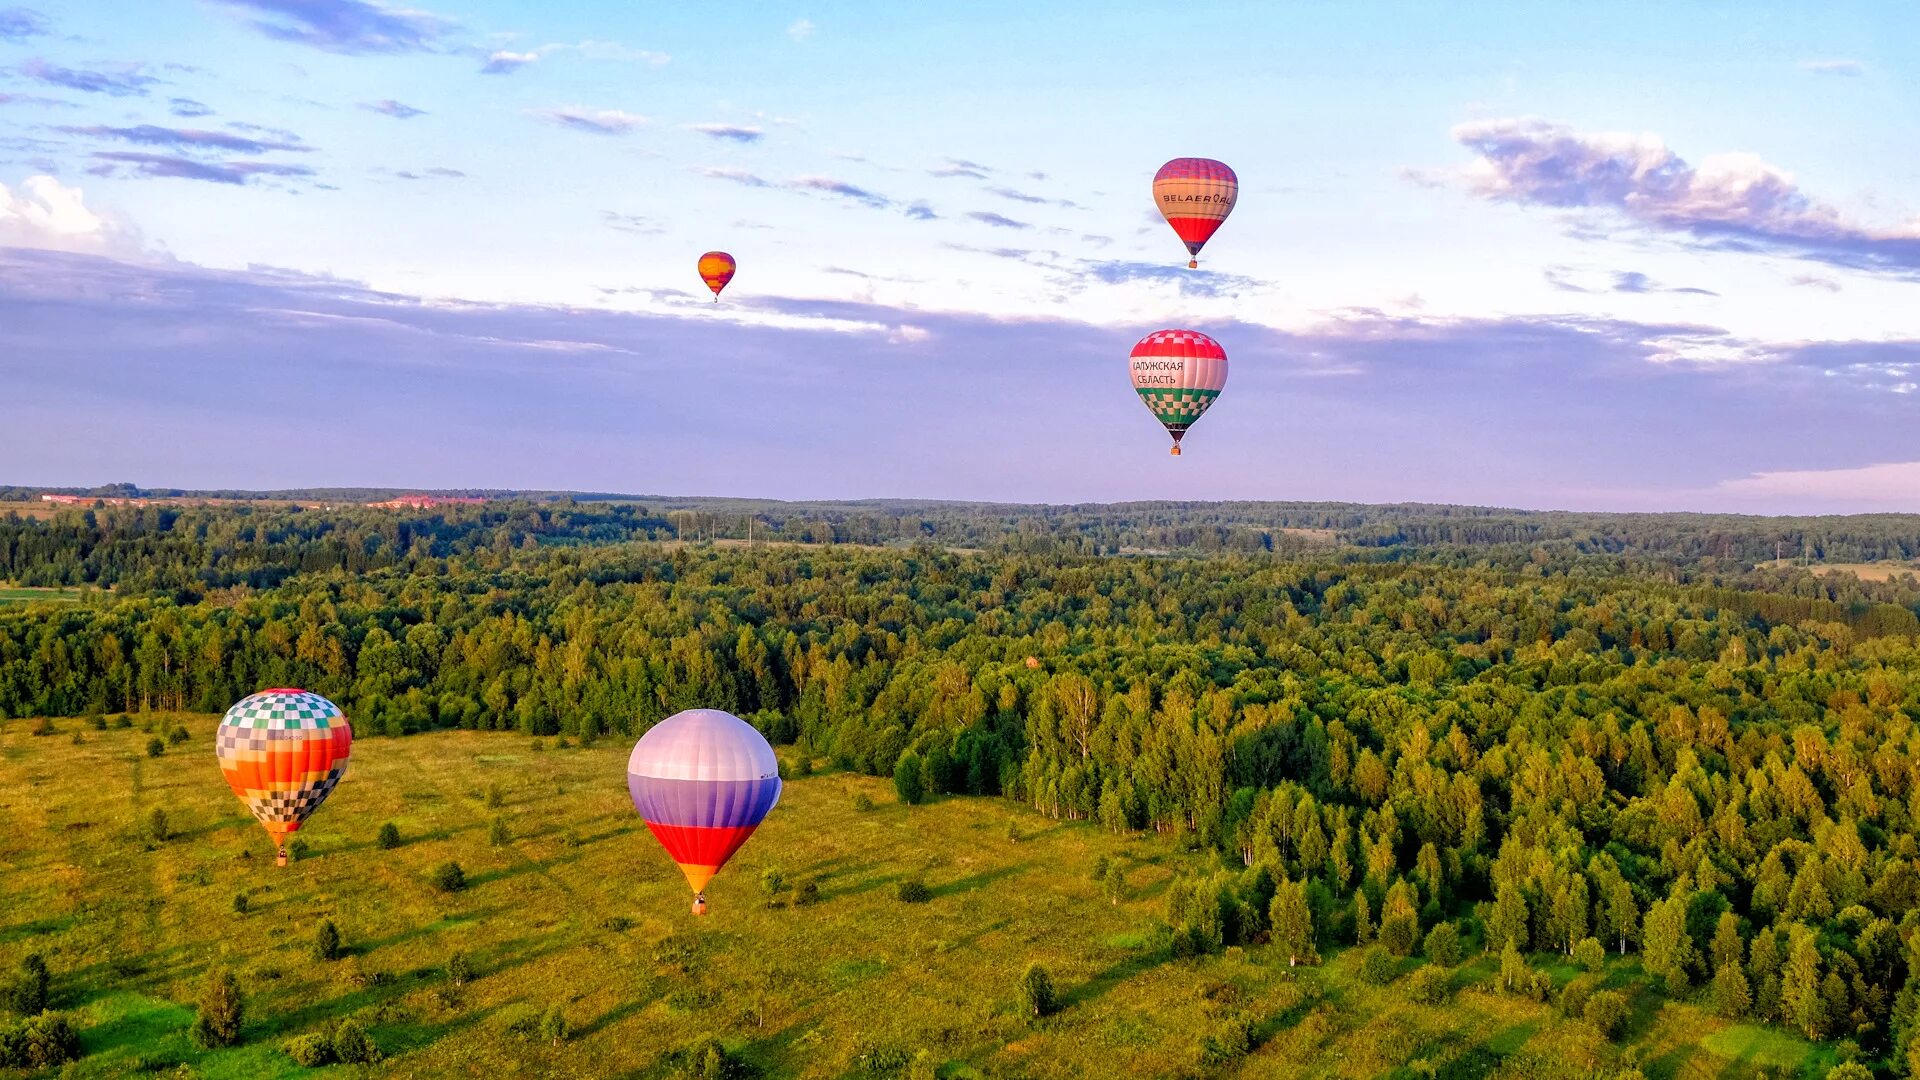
{"x":1195,"y":195}
{"x":282,"y":752}
{"x":716,"y":269}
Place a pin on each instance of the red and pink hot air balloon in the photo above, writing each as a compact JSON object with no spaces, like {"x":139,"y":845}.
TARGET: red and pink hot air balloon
{"x":1178,"y":374}
{"x":1195,"y":195}
{"x":702,"y":780}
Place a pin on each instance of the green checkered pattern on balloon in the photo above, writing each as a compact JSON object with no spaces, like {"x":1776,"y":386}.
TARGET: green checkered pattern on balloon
{"x":1181,"y":406}
{"x":283,"y":711}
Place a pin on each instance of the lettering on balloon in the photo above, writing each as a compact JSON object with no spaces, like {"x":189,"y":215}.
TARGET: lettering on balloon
{"x":1151,"y":371}
{"x":1219,"y":200}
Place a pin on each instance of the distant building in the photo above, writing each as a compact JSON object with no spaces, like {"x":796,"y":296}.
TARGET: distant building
{"x":425,"y":502}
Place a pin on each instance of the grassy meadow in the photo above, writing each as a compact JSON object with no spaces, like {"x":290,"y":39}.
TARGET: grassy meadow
{"x":579,"y":908}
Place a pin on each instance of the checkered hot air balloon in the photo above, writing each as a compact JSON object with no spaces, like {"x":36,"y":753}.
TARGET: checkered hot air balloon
{"x":1178,"y":374}
{"x":1195,"y":195}
{"x":282,"y":752}
{"x":716,"y":269}
{"x":702,"y":780}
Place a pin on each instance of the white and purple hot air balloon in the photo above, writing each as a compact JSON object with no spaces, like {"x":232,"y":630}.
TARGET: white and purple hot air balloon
{"x":702,"y":780}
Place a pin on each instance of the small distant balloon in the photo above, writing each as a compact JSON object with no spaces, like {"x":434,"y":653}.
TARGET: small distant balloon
{"x":282,"y":751}
{"x":703,"y":780}
{"x":716,"y":269}
{"x":1195,"y":195}
{"x":1178,"y":374}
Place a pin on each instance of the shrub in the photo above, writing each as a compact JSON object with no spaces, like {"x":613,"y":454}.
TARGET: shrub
{"x":773,"y":883}
{"x":326,"y":941}
{"x":389,"y":837}
{"x":459,"y":969}
{"x":97,"y":722}
{"x":1443,"y":944}
{"x":562,"y":743}
{"x":497,"y":833}
{"x":907,"y":782}
{"x":311,"y":1050}
{"x":554,"y":1027}
{"x":1037,"y":993}
{"x":1576,"y":994}
{"x":707,"y":1059}
{"x":122,"y":722}
{"x":351,"y":1045}
{"x":38,"y":1042}
{"x":158,"y":827}
{"x":1430,"y":986}
{"x":913,"y":891}
{"x":78,"y":739}
{"x":177,"y":736}
{"x":495,"y":796}
{"x":448,"y":877}
{"x":1851,"y":1070}
{"x":30,"y":991}
{"x":1232,"y":1041}
{"x":155,"y":747}
{"x":240,"y":903}
{"x":45,"y":727}
{"x":1377,"y":967}
{"x":1590,"y":954}
{"x":538,"y":746}
{"x":221,"y":1010}
{"x":297,"y":849}
{"x":1014,"y":835}
{"x":1607,"y":1011}
{"x":862,"y":802}
{"x":807,"y":893}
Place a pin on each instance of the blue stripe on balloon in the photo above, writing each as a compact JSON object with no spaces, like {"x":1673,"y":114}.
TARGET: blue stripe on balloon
{"x":713,"y":804}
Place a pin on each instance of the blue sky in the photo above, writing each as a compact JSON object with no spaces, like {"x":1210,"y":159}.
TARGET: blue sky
{"x":1604,"y":255}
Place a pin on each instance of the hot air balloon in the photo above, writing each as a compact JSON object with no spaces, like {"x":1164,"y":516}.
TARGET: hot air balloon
{"x":282,"y":752}
{"x":1178,"y":373}
{"x":702,"y":780}
{"x":716,"y":269}
{"x":1195,"y":195}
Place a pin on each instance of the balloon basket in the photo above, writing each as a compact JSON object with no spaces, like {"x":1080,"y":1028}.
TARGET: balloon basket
{"x":280,"y":857}
{"x":1194,"y":264}
{"x":1175,"y":451}
{"x":700,"y":904}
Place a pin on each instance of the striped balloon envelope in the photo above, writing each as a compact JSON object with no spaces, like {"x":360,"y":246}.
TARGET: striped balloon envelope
{"x":1178,"y":374}
{"x":716,"y":269}
{"x":282,"y":752}
{"x":702,"y":780}
{"x":1195,"y":195}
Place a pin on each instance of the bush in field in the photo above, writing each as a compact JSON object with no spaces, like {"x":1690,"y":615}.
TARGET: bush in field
{"x":459,"y":969}
{"x":807,"y":893}
{"x":326,"y":941}
{"x":45,"y":727}
{"x":297,"y":849}
{"x":707,"y":1059}
{"x":1430,"y":986}
{"x":862,"y":802}
{"x":554,"y":1028}
{"x":1036,"y":992}
{"x":156,"y":747}
{"x":389,"y":837}
{"x":497,"y":833}
{"x":774,"y":884}
{"x":495,"y":796}
{"x":1575,"y":995}
{"x":122,"y":722}
{"x":30,"y":991}
{"x":448,"y":877}
{"x":907,"y":782}
{"x":913,"y":891}
{"x":1607,"y":1011}
{"x":1443,"y":944}
{"x":177,"y":736}
{"x":158,"y":827}
{"x":38,"y":1042}
{"x":1590,"y":954}
{"x":351,"y":1045}
{"x":97,"y":722}
{"x":1377,"y":967}
{"x":221,"y":1010}
{"x":311,"y":1050}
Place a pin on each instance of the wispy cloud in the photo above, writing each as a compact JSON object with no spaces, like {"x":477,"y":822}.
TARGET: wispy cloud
{"x":633,"y":223}
{"x":734,"y":175}
{"x":801,"y":29}
{"x":729,"y":132}
{"x":128,"y":83}
{"x":435,"y":173}
{"x":1594,"y":282}
{"x":1729,"y":202}
{"x":998,"y":221}
{"x":187,"y":139}
{"x":1814,"y":281}
{"x":597,"y":121}
{"x":345,"y":26}
{"x":1833,"y":67}
{"x":1189,"y":283}
{"x":828,"y":185}
{"x":19,"y":24}
{"x":960,"y":167}
{"x":505,"y":62}
{"x":180,"y":168}
{"x":187,"y":107}
{"x":397,"y":110}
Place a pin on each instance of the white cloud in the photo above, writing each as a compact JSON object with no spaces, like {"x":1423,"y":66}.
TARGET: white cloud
{"x":597,"y":121}
{"x":1833,"y":67}
{"x":46,"y":214}
{"x":801,"y":30}
{"x":1894,"y":482}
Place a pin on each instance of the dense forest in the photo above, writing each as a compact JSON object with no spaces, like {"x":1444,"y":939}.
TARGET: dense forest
{"x":1561,"y":733}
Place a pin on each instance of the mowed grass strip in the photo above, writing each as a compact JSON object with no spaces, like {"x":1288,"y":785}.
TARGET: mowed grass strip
{"x":579,"y":908}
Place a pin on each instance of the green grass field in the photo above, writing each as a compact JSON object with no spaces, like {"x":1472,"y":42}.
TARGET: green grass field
{"x":12,"y":594}
{"x":581,"y":909}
